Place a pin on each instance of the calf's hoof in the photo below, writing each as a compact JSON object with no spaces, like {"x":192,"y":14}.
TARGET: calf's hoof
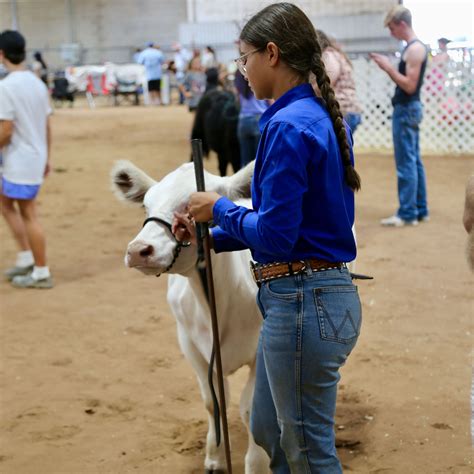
{"x":215,"y":471}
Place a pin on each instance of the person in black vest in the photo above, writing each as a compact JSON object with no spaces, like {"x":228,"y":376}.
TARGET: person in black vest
{"x":407,"y":116}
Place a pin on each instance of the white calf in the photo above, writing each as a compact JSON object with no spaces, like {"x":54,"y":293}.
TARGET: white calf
{"x":153,"y":251}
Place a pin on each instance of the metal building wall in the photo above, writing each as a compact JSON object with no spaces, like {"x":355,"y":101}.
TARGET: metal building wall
{"x":218,"y":10}
{"x":107,"y":30}
{"x":356,"y":24}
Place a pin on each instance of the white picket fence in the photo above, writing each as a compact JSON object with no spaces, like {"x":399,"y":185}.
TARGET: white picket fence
{"x":447,"y":96}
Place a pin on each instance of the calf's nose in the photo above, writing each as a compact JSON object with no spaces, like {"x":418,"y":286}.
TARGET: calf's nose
{"x":138,"y":252}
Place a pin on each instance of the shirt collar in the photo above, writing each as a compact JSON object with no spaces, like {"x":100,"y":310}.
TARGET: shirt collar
{"x":299,"y":92}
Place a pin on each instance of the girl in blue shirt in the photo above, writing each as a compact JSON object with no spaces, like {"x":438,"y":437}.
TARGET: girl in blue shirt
{"x":299,"y":233}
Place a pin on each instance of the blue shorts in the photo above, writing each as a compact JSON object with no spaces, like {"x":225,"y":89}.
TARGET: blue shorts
{"x":19,"y":191}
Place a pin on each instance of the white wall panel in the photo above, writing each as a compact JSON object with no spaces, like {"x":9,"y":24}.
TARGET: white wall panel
{"x":109,"y":30}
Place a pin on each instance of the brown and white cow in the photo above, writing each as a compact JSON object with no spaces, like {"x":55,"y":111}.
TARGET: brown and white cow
{"x":153,"y":251}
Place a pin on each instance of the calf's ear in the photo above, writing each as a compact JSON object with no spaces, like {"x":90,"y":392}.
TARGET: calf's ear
{"x":130,"y":183}
{"x":238,"y":185}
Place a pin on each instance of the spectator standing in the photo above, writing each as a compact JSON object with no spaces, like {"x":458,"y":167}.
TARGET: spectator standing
{"x":25,"y":136}
{"x":40,"y":67}
{"x":438,"y":75}
{"x":193,"y":84}
{"x":406,"y":119}
{"x":341,"y":73}
{"x":208,"y":58}
{"x":181,"y":59}
{"x":152,"y":58}
{"x":248,"y":129}
{"x":442,"y":54}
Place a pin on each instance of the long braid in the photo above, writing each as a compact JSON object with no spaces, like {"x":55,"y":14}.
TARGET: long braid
{"x":294,"y":34}
{"x":327,"y":93}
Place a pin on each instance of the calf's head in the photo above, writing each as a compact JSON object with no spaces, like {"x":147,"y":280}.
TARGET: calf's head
{"x":153,"y":250}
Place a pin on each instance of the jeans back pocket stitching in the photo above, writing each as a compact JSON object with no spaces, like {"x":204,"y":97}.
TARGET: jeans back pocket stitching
{"x":347,"y":317}
{"x":322,"y":311}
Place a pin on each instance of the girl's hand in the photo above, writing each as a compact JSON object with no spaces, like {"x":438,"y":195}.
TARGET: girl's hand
{"x":200,"y":205}
{"x":183,"y":228}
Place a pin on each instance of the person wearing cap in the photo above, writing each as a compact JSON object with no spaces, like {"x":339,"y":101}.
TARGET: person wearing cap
{"x":406,"y":119}
{"x":152,"y":58}
{"x":442,"y":54}
{"x":443,"y":43}
{"x":25,"y":137}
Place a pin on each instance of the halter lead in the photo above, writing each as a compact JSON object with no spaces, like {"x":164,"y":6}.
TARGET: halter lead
{"x":179,"y":245}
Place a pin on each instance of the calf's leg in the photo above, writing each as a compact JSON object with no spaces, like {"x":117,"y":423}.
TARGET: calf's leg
{"x":215,"y":461}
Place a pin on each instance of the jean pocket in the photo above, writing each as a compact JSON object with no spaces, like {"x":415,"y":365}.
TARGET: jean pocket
{"x":339,"y":313}
{"x":414,"y":117}
{"x":283,"y":288}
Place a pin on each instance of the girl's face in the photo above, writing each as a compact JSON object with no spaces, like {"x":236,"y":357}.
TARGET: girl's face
{"x":254,"y":68}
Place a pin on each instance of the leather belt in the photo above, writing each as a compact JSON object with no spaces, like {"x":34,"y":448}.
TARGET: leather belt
{"x":270,"y":271}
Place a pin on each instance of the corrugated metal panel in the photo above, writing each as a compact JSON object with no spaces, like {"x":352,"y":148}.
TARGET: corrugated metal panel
{"x":217,"y":10}
{"x":5,"y":15}
{"x":109,"y":30}
{"x":216,"y":34}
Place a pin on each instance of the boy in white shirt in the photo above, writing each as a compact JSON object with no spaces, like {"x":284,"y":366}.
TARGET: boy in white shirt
{"x":25,"y":138}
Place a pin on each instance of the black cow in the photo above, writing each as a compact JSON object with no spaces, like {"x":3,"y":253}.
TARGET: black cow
{"x":215,"y":123}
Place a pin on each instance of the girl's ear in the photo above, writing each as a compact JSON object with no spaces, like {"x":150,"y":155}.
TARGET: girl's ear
{"x":273,"y":53}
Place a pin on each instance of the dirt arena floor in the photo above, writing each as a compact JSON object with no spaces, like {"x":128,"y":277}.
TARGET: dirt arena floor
{"x":93,"y":382}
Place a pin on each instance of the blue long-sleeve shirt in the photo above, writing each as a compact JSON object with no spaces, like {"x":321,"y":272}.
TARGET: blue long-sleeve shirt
{"x":302,"y":207}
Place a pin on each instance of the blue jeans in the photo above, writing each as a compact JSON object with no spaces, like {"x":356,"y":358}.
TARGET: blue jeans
{"x":410,"y":171}
{"x":311,"y":324}
{"x":353,"y":120}
{"x":248,"y":132}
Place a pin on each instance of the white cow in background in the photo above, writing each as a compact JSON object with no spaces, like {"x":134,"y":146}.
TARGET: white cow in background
{"x":152,"y":251}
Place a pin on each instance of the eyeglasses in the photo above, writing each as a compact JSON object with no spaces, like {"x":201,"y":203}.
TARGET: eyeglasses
{"x":242,"y":61}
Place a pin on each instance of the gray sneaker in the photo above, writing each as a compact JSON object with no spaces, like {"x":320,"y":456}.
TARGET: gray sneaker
{"x":27,"y":281}
{"x":17,"y":271}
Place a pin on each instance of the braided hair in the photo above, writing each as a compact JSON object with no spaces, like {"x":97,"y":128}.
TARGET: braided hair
{"x":294,"y":34}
